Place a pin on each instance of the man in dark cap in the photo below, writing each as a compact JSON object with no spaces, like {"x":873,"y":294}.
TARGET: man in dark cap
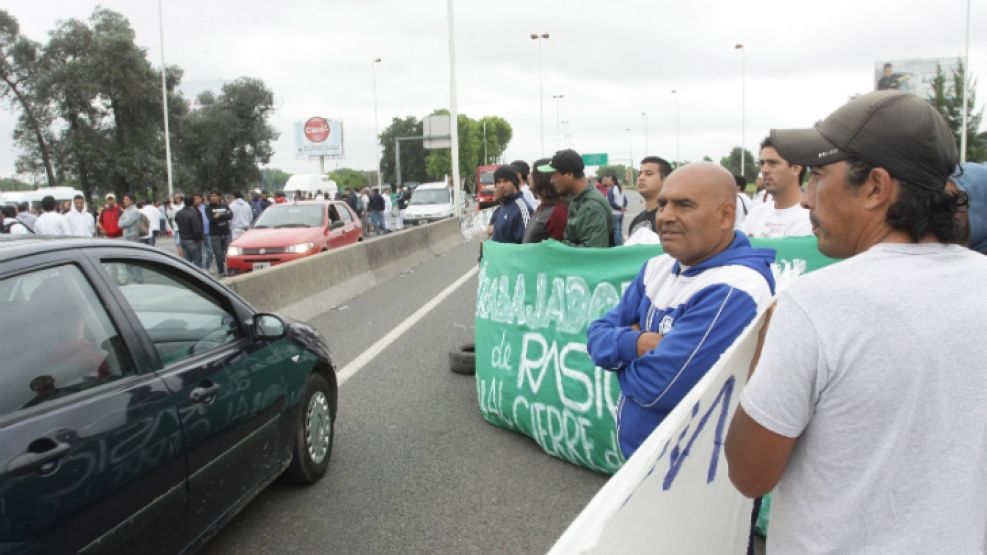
{"x":864,"y":408}
{"x":514,"y":213}
{"x":590,"y":222}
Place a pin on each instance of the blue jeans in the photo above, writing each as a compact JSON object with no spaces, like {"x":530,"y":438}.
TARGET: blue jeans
{"x":192,"y":251}
{"x":618,"y":224}
{"x":207,"y":254}
{"x":219,"y":245}
{"x":377,"y":220}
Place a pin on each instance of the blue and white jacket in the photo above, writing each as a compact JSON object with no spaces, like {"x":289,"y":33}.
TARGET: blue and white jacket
{"x":511,"y":219}
{"x":698,"y":310}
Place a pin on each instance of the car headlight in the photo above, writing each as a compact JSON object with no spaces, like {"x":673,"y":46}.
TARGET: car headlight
{"x":300,"y":248}
{"x":234,"y":251}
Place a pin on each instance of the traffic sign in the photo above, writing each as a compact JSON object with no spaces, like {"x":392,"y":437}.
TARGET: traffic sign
{"x":599,"y":159}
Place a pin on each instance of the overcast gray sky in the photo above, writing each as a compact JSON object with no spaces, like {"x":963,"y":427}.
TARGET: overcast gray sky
{"x":611,"y":60}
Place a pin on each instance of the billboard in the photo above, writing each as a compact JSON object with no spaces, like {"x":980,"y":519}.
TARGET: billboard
{"x":318,"y":136}
{"x":914,"y":75}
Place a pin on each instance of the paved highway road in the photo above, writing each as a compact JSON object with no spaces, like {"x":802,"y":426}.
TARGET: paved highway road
{"x":415,"y":469}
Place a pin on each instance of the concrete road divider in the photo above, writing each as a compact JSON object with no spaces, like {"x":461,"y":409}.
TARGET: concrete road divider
{"x":309,"y":286}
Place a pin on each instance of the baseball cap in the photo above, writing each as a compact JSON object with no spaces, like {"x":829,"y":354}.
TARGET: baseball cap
{"x":894,"y":130}
{"x":110,"y":196}
{"x":564,"y":161}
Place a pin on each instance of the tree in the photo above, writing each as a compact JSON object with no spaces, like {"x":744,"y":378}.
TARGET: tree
{"x":222,"y":143}
{"x":21,"y":60}
{"x":412,"y":152}
{"x":347,"y":178}
{"x":272,"y":179}
{"x":947,"y":99}
{"x":732,"y":163}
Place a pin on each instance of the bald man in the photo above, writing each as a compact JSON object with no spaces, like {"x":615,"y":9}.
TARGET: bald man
{"x":686,"y":306}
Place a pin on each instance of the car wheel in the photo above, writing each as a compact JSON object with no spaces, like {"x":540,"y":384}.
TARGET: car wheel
{"x":463,"y":361}
{"x":313,"y":433}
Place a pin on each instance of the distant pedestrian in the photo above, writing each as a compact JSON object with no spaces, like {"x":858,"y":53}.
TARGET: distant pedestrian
{"x":219,"y":215}
{"x":130,"y":219}
{"x":552,"y":212}
{"x":51,"y":222}
{"x":388,"y":209}
{"x":188,"y":223}
{"x":154,"y":218}
{"x":404,"y":199}
{"x":618,"y":202}
{"x":782,"y":215}
{"x":109,"y":218}
{"x":242,"y":215}
{"x":743,"y":201}
{"x":10,"y":224}
{"x":279,"y":198}
{"x":81,"y":222}
{"x":207,"y":254}
{"x":25,"y":216}
{"x":376,"y":209}
{"x":590,"y":219}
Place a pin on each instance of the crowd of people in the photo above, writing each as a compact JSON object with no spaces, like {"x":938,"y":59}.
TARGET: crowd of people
{"x":866,"y":409}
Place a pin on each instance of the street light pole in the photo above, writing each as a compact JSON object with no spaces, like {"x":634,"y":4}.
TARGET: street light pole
{"x":646,"y":149}
{"x":743,"y":102}
{"x":630,"y":144}
{"x":457,"y":194}
{"x":558,"y":120}
{"x":966,"y":85}
{"x":164,"y":102}
{"x":675,"y":93}
{"x":373,"y":71}
{"x":539,"y":37}
{"x":565,"y":134}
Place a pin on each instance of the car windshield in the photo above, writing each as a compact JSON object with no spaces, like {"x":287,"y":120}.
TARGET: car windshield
{"x":292,"y":215}
{"x":486,"y":178}
{"x":430,"y":196}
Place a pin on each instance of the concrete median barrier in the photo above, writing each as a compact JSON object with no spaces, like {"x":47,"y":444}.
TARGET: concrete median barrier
{"x":309,"y":286}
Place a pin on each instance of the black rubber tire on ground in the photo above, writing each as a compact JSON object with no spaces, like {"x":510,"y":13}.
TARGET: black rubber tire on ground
{"x":304,"y":469}
{"x":463,"y":361}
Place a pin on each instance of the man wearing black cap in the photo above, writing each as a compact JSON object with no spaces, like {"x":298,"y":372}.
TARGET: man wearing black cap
{"x":514,"y":213}
{"x":590,"y":221}
{"x":867,"y":407}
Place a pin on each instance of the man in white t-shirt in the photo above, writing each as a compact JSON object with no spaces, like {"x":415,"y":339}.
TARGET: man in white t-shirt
{"x":50,"y":222}
{"x":868,"y":405}
{"x":781,"y":216}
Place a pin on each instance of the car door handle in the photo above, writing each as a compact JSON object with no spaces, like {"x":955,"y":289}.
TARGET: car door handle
{"x":41,"y":452}
{"x":204,"y":393}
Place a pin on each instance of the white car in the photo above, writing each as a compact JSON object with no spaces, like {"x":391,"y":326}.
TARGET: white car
{"x":430,"y":202}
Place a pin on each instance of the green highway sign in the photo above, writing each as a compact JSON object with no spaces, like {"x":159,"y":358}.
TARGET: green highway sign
{"x":596,"y":159}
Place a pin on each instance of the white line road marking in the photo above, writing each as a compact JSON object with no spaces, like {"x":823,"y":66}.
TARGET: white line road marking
{"x":359,"y":362}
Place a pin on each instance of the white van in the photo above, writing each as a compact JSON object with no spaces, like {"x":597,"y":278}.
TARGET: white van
{"x":430,"y":202}
{"x":310,"y":183}
{"x":61,"y":194}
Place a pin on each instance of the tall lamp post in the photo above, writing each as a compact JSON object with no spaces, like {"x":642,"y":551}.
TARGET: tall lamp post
{"x":539,"y":37}
{"x":164,"y":102}
{"x":675,"y":93}
{"x":743,"y":102}
{"x":646,"y":149}
{"x":558,"y":120}
{"x":373,"y":71}
{"x":966,"y":85}
{"x":565,"y":133}
{"x":457,"y":188}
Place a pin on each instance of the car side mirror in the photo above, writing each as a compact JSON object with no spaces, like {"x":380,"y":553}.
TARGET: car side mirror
{"x":336,"y":225}
{"x":268,"y":326}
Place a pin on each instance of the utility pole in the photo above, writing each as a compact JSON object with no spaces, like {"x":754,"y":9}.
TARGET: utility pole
{"x":457,"y":193}
{"x":164,"y":103}
{"x":539,"y":37}
{"x":373,"y":71}
{"x":743,"y":103}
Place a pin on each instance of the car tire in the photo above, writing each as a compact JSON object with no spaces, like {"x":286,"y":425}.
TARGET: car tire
{"x":463,"y":361}
{"x":312,"y":447}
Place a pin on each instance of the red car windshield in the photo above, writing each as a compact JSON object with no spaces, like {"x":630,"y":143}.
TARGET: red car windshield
{"x":291,"y":215}
{"x":486,"y":178}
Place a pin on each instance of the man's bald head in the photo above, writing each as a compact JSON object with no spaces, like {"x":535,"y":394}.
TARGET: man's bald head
{"x":697,"y":207}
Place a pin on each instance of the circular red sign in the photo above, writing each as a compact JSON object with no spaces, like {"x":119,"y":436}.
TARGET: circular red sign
{"x":316,"y":130}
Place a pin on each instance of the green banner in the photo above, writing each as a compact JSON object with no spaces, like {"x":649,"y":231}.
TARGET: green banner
{"x":533,"y":374}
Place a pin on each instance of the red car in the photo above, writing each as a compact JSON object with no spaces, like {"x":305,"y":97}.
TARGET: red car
{"x":485,"y":186}
{"x":285,"y":232}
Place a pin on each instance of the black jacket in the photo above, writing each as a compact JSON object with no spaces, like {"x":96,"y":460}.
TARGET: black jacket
{"x":189,"y":224}
{"x":376,"y":202}
{"x":219,"y":218}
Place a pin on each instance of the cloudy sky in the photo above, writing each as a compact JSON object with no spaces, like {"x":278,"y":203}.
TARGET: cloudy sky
{"x":611,"y":61}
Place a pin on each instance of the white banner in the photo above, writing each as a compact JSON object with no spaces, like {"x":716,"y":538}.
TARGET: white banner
{"x":674,"y":495}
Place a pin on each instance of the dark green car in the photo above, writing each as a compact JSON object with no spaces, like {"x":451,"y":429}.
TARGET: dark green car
{"x":142,"y":403}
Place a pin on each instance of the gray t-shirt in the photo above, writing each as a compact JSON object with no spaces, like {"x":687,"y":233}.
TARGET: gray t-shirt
{"x":878,"y":365}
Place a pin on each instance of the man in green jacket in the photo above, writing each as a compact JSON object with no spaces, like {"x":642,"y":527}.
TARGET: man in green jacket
{"x":590,"y":221}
